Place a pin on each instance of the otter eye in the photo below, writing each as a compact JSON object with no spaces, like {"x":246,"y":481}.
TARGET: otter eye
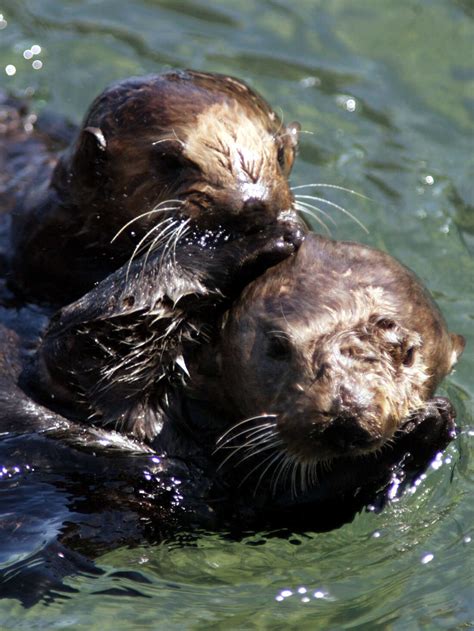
{"x":171,"y":162}
{"x":385,"y":323}
{"x":167,"y":157}
{"x":409,"y":357}
{"x":278,"y":347}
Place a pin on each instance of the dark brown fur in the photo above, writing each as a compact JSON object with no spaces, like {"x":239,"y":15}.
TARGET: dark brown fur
{"x":153,"y":153}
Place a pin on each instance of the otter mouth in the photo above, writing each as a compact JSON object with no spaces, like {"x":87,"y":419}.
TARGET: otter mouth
{"x":261,"y":460}
{"x":330,"y":437}
{"x":212,"y":234}
{"x":256,"y":451}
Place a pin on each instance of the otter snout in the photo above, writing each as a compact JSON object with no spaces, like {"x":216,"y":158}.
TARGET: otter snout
{"x":345,"y":432}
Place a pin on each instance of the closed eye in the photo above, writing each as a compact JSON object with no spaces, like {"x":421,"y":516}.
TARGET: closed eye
{"x":278,"y":346}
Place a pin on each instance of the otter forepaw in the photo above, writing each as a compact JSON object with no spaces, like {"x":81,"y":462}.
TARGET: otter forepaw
{"x":436,"y":418}
{"x":429,"y":431}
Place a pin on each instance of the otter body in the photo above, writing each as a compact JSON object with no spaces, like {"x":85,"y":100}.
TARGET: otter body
{"x":327,"y":357}
{"x":318,"y":446}
{"x":173,"y":194}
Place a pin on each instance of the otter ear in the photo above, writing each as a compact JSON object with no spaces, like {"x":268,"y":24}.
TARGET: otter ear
{"x":89,"y":154}
{"x":293,"y":130}
{"x":95,"y":135}
{"x":458,"y":343}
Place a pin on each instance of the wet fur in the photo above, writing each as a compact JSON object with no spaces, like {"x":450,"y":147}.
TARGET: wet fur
{"x":326,"y":356}
{"x":182,"y":146}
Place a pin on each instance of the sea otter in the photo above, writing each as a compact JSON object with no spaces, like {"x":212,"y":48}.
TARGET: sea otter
{"x":129,"y":354}
{"x":321,"y":363}
{"x":157,"y":158}
{"x":285,"y":418}
{"x":328,"y":354}
{"x":316,"y":385}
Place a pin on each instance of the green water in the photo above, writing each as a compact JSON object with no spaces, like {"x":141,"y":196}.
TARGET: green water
{"x":385,"y":91}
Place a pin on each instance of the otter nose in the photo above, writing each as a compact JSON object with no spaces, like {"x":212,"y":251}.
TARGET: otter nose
{"x":258,"y":207}
{"x":345,"y":432}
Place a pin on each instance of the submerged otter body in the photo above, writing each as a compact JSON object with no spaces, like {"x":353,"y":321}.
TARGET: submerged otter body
{"x":157,"y":157}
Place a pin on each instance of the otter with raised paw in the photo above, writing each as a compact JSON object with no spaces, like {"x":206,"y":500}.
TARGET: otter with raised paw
{"x":327,"y":360}
{"x":156,"y":159}
{"x":175,"y":183}
{"x":321,"y":371}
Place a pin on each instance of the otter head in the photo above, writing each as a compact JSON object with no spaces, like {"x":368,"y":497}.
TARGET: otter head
{"x":160,"y":151}
{"x":328,"y":354}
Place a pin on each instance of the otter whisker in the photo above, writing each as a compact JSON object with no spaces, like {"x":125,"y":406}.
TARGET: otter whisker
{"x":278,"y":472}
{"x":161,"y":238}
{"x":229,"y":457}
{"x":266,"y":436}
{"x":294,"y":472}
{"x":264,"y":439}
{"x":275,"y":459}
{"x":287,"y":468}
{"x":157,"y":142}
{"x":326,"y":465}
{"x":164,"y":235}
{"x":251,"y":434}
{"x":334,"y":205}
{"x":317,"y":209}
{"x":335,"y":186}
{"x":317,"y":219}
{"x":180,"y":233}
{"x":163,"y":227}
{"x":306,"y":210}
{"x":303,"y":476}
{"x":313,"y":473}
{"x":245,"y":420}
{"x":259,"y":464}
{"x":170,"y":246}
{"x":253,"y":452}
{"x":158,"y":209}
{"x":181,"y":142}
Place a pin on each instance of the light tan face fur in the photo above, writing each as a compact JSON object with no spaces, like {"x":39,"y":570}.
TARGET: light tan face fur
{"x":207,"y":149}
{"x":230,"y":145}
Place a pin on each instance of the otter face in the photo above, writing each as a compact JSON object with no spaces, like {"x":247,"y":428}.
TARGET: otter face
{"x":335,"y":390}
{"x":184,"y":151}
